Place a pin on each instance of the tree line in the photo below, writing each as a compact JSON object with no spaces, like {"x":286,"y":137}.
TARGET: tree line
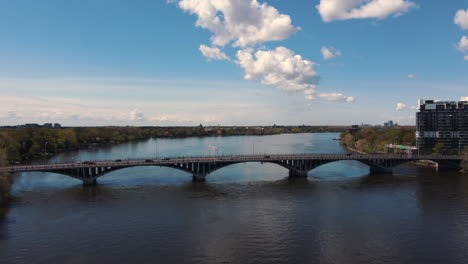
{"x":19,"y":144}
{"x":373,"y":140}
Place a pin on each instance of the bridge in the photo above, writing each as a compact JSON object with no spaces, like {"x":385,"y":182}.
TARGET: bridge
{"x":199,"y":167}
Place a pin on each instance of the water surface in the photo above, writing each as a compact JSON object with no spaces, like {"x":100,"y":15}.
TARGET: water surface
{"x":244,"y":213}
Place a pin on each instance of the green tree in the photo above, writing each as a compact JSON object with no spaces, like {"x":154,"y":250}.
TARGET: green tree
{"x":439,"y":148}
{"x":5,"y":179}
{"x":465,"y":160}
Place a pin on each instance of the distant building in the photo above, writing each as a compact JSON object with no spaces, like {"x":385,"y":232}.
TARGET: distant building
{"x":443,"y":122}
{"x":30,"y":125}
{"x":34,"y":125}
{"x":389,"y":124}
{"x":354,"y":130}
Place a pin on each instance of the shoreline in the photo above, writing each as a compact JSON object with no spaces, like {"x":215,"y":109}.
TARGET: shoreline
{"x":426,"y":163}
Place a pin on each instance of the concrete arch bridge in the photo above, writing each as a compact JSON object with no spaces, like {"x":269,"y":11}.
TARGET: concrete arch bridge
{"x":297,"y":164}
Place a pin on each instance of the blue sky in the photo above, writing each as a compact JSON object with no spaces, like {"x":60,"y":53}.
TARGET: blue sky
{"x":140,"y":62}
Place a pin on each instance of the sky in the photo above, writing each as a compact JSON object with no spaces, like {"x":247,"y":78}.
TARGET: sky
{"x":228,"y":62}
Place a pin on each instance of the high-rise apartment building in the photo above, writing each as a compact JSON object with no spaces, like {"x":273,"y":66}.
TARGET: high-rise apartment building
{"x":443,"y":122}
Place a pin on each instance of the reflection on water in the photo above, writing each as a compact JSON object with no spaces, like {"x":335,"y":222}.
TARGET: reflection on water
{"x":244,"y":213}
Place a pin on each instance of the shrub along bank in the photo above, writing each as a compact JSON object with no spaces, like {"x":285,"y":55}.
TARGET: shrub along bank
{"x":5,"y":181}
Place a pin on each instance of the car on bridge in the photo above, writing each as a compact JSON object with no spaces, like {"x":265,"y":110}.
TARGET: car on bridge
{"x":149,"y":160}
{"x":89,"y":162}
{"x":118,"y":160}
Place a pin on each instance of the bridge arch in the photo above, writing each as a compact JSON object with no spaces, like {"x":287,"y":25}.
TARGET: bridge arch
{"x":298,"y":164}
{"x":89,"y":175}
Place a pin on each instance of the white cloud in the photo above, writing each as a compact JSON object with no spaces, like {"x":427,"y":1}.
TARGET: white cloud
{"x":69,"y":111}
{"x":463,"y":44}
{"x":279,"y":67}
{"x":309,"y":94}
{"x":348,"y":9}
{"x":404,"y":107}
{"x":137,"y":115}
{"x":213,"y":53}
{"x":466,"y":57}
{"x":330,"y":53}
{"x":245,"y":22}
{"x":461,"y":18}
{"x":400,"y":106}
{"x":464,"y":98}
{"x":411,"y":76}
{"x":337,"y":97}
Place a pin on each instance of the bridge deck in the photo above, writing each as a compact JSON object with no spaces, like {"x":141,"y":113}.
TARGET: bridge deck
{"x":226,"y":159}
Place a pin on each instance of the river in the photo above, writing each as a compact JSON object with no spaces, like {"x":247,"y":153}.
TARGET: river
{"x":244,"y":213}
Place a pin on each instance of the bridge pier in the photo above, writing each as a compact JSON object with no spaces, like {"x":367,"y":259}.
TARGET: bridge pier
{"x":198,"y":177}
{"x":448,"y":166}
{"x":380,"y":170}
{"x":298,"y":173}
{"x":89,"y":181}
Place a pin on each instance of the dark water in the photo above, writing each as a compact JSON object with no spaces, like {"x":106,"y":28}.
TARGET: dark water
{"x":245,"y":213}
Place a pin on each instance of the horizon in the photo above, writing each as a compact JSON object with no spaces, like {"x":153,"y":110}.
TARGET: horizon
{"x":239,"y":63}
{"x":207,"y":126}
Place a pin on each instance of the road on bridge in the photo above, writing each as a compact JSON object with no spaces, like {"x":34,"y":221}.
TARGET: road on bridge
{"x":297,"y":164}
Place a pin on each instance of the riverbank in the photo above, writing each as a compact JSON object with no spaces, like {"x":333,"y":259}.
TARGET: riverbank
{"x":5,"y":182}
{"x":373,"y":140}
{"x":465,"y":164}
{"x":5,"y":186}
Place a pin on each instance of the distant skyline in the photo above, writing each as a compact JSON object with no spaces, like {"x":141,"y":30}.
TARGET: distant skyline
{"x":228,"y":62}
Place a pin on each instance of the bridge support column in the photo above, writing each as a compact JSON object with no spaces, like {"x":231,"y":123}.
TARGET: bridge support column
{"x":380,"y":170}
{"x":298,"y":173}
{"x":89,"y":181}
{"x":200,"y":177}
{"x":449,"y":166}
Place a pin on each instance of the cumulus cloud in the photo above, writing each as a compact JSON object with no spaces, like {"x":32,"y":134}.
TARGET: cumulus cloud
{"x":400,"y":106}
{"x":309,"y":94}
{"x":463,"y":44}
{"x":411,"y":76}
{"x":348,"y":9}
{"x":279,"y":67}
{"x":245,"y":23}
{"x":466,"y":57}
{"x":337,"y":97}
{"x":461,"y":18}
{"x":464,"y":98}
{"x":404,"y":107}
{"x":137,"y":115}
{"x":213,"y":53}
{"x":330,"y":53}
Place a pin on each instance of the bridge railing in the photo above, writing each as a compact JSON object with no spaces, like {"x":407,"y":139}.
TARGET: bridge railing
{"x":229,"y":158}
